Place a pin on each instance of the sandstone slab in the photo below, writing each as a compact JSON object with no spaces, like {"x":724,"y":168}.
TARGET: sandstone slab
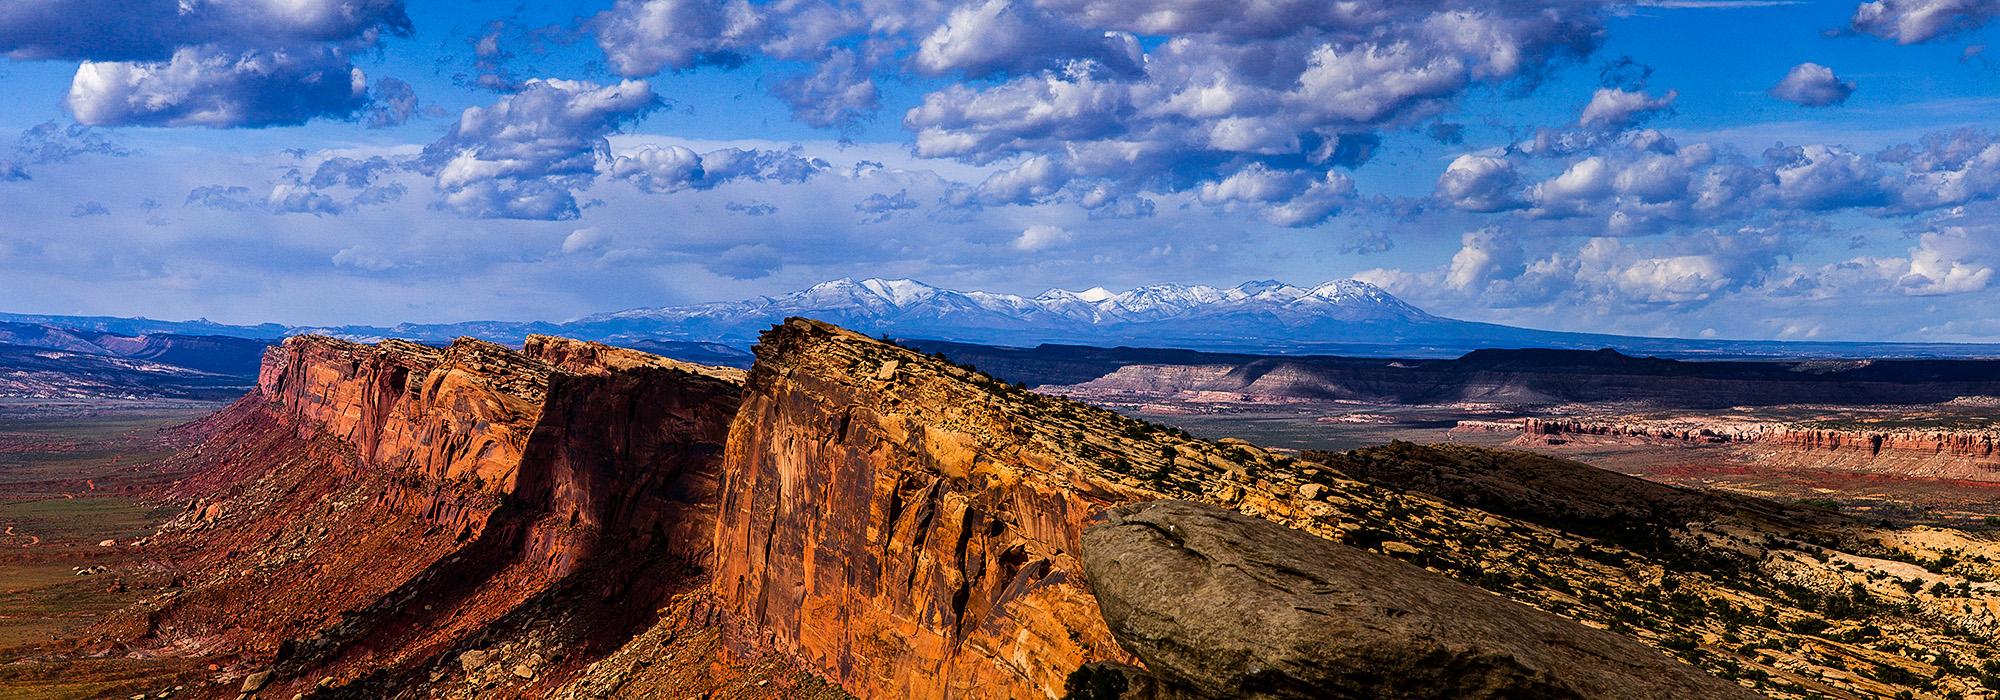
{"x":1219,"y":604}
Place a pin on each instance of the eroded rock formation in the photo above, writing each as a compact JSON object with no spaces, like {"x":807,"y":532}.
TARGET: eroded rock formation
{"x":1939,"y":452}
{"x":898,"y":526}
{"x":369,"y":509}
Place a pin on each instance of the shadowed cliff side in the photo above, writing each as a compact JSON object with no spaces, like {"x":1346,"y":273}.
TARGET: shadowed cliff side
{"x":370,"y":514}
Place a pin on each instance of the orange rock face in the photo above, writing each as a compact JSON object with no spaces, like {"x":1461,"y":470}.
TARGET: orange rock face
{"x":887,"y":526}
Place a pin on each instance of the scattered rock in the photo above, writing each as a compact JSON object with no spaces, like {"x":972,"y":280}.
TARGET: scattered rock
{"x":1404,"y":548}
{"x":256,"y":681}
{"x":523,"y":671}
{"x":107,"y":543}
{"x":474,"y":660}
{"x":1216,"y":603}
{"x":888,"y":370}
{"x":1312,"y":492}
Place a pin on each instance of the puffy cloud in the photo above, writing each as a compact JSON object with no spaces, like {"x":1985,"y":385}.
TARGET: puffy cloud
{"x":1290,"y":198}
{"x":1028,"y":114}
{"x":206,"y":63}
{"x":1028,"y":182}
{"x":337,"y":185}
{"x":1616,"y":109}
{"x":1041,"y":236}
{"x":1918,"y":21}
{"x":1641,"y":182}
{"x":1290,"y":85}
{"x":1676,"y":279}
{"x":1005,"y":37}
{"x":1582,"y":184}
{"x":1493,"y":268}
{"x":1827,"y":177}
{"x":1812,"y":85}
{"x":218,"y":88}
{"x":1482,"y":255}
{"x":1480,"y":183}
{"x":661,"y":169}
{"x":1956,"y":256}
{"x":120,"y":30}
{"x":1948,"y":169}
{"x":837,"y":93}
{"x":525,"y":156}
{"x":585,"y":240}
{"x":644,"y":37}
{"x":90,"y":208}
{"x":1947,"y":262}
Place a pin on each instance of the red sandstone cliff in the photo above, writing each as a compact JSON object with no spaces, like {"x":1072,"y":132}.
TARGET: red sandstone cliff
{"x":370,"y":508}
{"x":881,"y":518}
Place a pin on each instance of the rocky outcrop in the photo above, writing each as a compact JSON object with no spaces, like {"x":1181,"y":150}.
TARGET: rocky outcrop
{"x":370,"y":508}
{"x":911,"y":528}
{"x":893,"y":523}
{"x":1544,"y":430}
{"x":1947,"y":453}
{"x":1221,"y":605}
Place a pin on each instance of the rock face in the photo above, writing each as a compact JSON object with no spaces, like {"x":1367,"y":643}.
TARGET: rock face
{"x":882,"y":519}
{"x":1222,"y":605}
{"x":369,"y":508}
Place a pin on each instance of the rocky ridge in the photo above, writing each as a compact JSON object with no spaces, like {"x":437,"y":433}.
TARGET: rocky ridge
{"x":950,"y":466}
{"x":370,"y":513}
{"x":578,"y":521}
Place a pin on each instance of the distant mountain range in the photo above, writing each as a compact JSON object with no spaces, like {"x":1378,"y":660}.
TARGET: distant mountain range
{"x":1339,"y":317}
{"x":46,"y":361}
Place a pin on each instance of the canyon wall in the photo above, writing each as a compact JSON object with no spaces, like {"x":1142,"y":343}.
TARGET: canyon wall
{"x":369,"y":508}
{"x":882,"y":518}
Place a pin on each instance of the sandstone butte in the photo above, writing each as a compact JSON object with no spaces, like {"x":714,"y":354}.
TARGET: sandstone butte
{"x":854,"y":518}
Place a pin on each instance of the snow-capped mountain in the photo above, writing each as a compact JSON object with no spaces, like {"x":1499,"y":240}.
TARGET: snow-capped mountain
{"x":1251,"y":314}
{"x":1342,"y":317}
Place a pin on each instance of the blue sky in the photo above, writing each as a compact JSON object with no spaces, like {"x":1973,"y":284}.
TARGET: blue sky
{"x":1820,"y":170}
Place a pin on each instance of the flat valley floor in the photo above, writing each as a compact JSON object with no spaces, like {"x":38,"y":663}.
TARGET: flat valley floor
{"x":69,"y":512}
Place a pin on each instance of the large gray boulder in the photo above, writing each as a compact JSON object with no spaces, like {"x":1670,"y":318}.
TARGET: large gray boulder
{"x":1218,"y":604}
